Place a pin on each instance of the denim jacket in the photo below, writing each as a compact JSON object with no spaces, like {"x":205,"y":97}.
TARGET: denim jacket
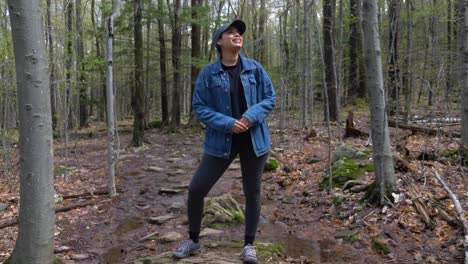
{"x":212,"y":104}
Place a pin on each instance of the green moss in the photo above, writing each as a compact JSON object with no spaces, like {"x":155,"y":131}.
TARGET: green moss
{"x":378,"y":245}
{"x":271,"y":164}
{"x":263,"y":248}
{"x":344,"y":170}
{"x":352,"y":238}
{"x":154,"y":124}
{"x":337,"y":200}
{"x":268,"y":249}
{"x":451,"y":153}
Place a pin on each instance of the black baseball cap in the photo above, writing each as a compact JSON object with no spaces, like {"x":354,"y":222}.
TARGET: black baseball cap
{"x":239,"y":24}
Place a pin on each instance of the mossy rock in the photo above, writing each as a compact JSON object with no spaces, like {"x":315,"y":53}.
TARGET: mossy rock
{"x":271,"y":165}
{"x":222,"y":211}
{"x":350,"y":152}
{"x":345,"y":170}
{"x":378,"y":245}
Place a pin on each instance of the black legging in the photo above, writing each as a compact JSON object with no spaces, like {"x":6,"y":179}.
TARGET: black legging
{"x":212,"y":168}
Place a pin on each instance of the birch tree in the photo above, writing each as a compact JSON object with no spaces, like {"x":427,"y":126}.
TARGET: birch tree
{"x":35,"y":242}
{"x":384,"y":182}
{"x":110,"y":101}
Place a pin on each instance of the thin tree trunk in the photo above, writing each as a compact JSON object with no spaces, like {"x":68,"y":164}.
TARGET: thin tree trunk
{"x":356,"y":78}
{"x":149,"y":92}
{"x":176,"y":49}
{"x":110,"y":99}
{"x":384,"y":182}
{"x":305,"y":67}
{"x":408,"y":77}
{"x":464,"y":106}
{"x":138,"y":89}
{"x":35,"y":243}
{"x":82,"y":89}
{"x":261,"y":33}
{"x":448,"y":69}
{"x":194,"y":70}
{"x":329,"y":59}
{"x":162,"y":65}
{"x":393,"y":70}
{"x":52,"y":66}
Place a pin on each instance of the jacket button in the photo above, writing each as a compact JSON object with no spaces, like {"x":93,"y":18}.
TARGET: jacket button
{"x":227,"y":107}
{"x":225,"y":154}
{"x":227,"y":139}
{"x":225,"y":90}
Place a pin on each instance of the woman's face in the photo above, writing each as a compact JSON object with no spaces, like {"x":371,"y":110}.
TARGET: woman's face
{"x":231,"y":39}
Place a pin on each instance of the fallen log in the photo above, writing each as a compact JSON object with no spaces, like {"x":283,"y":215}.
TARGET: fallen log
{"x":418,"y":202}
{"x":423,"y":130}
{"x":458,"y":209}
{"x":86,"y":194}
{"x":66,"y":208}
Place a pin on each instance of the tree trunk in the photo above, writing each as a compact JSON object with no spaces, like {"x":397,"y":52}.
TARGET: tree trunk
{"x":261,"y":33}
{"x":384,"y":182}
{"x":110,"y":101}
{"x":176,"y":49}
{"x":138,"y":89}
{"x":83,"y":90}
{"x":408,"y":76}
{"x":35,"y":243}
{"x":53,"y":86}
{"x":464,"y":105}
{"x":329,"y":58}
{"x":356,"y":78}
{"x":393,"y":70}
{"x":68,"y":67}
{"x":162,"y":65}
{"x":195,"y":68}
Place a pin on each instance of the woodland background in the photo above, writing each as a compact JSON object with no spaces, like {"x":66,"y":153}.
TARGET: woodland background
{"x":316,"y":55}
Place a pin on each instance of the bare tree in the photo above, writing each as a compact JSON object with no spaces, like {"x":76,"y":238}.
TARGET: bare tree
{"x":329,"y":58}
{"x":35,"y":243}
{"x":138,"y":88}
{"x":110,"y":98}
{"x":464,"y":106}
{"x":384,"y":182}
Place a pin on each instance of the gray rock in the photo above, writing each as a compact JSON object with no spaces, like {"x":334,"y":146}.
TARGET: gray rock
{"x":169,"y":237}
{"x":3,"y":207}
{"x":347,"y":151}
{"x":347,"y":232}
{"x":82,"y":256}
{"x":154,"y":169}
{"x":210,"y":232}
{"x":161,"y":219}
{"x":176,"y":206}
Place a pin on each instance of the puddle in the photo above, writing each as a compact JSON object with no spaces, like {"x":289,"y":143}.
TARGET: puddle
{"x":128,"y":225}
{"x":293,"y":246}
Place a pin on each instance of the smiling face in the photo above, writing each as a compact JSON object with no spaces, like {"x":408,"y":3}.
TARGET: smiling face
{"x":231,"y":39}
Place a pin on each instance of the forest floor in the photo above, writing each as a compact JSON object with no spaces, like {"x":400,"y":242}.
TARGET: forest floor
{"x":307,"y":222}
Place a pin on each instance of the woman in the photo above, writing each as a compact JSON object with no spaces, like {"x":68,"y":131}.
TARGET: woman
{"x":232,"y":97}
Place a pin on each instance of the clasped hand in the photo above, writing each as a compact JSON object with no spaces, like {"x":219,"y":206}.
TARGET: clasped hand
{"x":241,"y":125}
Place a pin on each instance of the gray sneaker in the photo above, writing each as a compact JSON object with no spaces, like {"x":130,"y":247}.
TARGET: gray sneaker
{"x":186,"y":249}
{"x":249,"y":254}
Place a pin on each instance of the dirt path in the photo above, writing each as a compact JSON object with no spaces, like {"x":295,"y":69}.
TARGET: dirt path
{"x":295,"y":213}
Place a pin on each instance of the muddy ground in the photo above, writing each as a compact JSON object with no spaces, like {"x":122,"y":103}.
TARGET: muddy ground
{"x":296,"y":214}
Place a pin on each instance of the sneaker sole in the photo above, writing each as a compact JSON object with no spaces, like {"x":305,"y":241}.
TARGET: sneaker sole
{"x":249,"y":261}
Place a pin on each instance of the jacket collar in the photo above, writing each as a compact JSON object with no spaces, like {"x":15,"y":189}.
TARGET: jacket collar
{"x":247,"y":65}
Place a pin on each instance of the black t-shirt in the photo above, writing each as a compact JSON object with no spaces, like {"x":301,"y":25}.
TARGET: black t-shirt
{"x":238,"y":103}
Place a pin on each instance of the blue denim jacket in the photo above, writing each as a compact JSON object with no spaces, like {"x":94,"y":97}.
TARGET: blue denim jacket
{"x":212,"y":104}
